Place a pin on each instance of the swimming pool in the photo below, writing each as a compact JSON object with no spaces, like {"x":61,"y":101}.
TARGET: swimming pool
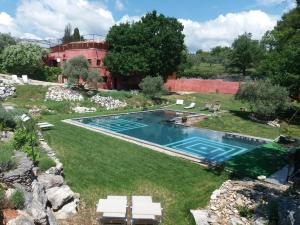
{"x":154,"y":127}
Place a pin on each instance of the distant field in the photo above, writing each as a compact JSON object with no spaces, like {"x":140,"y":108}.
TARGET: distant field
{"x":204,"y":70}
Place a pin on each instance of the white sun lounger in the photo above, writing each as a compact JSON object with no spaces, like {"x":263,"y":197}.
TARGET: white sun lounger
{"x":113,"y":210}
{"x":192,"y":105}
{"x":45,"y":125}
{"x":139,"y":199}
{"x":25,"y":79}
{"x":144,"y":211}
{"x":179,"y":102}
{"x":16,"y":79}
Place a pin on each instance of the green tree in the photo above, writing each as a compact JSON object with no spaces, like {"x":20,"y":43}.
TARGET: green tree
{"x":93,"y":79}
{"x":24,"y":59}
{"x":265,"y":99}
{"x":154,"y":45}
{"x":6,"y":40}
{"x":76,"y":35}
{"x":67,"y":35}
{"x":246,"y":53}
{"x":152,"y":87}
{"x":78,"y":67}
{"x":282,"y":63}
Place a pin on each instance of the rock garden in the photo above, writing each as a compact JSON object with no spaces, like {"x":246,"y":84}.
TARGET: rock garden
{"x":251,"y":202}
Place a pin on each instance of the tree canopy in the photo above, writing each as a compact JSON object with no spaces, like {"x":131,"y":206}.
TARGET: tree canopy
{"x":245,"y":53}
{"x":78,"y":67}
{"x":266,"y":100}
{"x":69,"y":37}
{"x":152,"y":46}
{"x":282,"y":63}
{"x":24,"y":59}
{"x":6,"y":40}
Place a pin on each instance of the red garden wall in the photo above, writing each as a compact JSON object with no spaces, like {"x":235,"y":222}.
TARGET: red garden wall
{"x":202,"y":86}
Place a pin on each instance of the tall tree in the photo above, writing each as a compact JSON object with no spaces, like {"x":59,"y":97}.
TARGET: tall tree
{"x":245,"y":53}
{"x":282,"y":63}
{"x":76,"y":35}
{"x":67,"y":35}
{"x":153,"y":46}
{"x":6,"y":40}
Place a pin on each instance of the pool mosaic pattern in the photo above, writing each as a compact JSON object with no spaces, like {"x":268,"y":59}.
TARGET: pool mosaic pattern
{"x":118,"y":125}
{"x":209,"y":149}
{"x":152,"y":126}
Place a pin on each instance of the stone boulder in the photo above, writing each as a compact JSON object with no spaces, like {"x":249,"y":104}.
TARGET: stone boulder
{"x":21,"y":220}
{"x":67,"y":211}
{"x":51,"y":217}
{"x":37,"y":207}
{"x":59,"y":196}
{"x":22,"y":174}
{"x":288,"y":212}
{"x":50,"y":180}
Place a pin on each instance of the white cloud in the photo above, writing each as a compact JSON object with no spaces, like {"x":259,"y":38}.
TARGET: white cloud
{"x":48,"y":18}
{"x":119,"y":5}
{"x":7,"y":24}
{"x":129,"y":19}
{"x":225,"y":28}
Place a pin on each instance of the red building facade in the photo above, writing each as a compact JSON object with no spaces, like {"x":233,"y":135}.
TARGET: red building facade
{"x":94,"y":51}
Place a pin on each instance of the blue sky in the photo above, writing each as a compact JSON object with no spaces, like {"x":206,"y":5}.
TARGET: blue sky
{"x":207,"y":22}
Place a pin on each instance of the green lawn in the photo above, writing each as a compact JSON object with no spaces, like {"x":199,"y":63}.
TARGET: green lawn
{"x":264,"y":160}
{"x":96,"y":165}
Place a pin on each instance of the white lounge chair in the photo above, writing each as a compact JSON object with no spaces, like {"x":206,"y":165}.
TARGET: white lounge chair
{"x":45,"y":125}
{"x":25,"y":79}
{"x":179,"y":102}
{"x":191,"y":106}
{"x":15,"y":79}
{"x":113,"y":210}
{"x":144,"y":211}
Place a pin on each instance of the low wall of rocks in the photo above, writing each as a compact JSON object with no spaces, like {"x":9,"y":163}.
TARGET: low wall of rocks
{"x":47,"y":197}
{"x":260,"y":197}
{"x":6,"y":90}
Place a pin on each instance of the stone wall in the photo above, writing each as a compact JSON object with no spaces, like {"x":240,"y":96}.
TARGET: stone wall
{"x":202,"y":86}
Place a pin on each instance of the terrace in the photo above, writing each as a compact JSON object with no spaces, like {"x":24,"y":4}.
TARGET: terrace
{"x":112,"y":166}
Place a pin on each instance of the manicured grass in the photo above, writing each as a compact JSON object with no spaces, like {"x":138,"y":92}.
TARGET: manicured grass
{"x":96,"y":165}
{"x":264,"y":160}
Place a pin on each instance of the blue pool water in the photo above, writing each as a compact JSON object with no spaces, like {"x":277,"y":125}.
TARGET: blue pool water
{"x":151,"y":126}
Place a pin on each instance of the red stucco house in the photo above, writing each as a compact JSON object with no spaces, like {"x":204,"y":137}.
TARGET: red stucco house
{"x":94,"y":51}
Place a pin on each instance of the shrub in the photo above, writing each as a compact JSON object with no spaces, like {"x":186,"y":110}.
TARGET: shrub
{"x":116,"y":94}
{"x":246,"y":212}
{"x":51,"y":73}
{"x":20,"y":138}
{"x":6,"y":119}
{"x":193,"y":73}
{"x":152,"y":86}
{"x":26,"y":140}
{"x":6,"y":160}
{"x":17,"y":199}
{"x":24,"y":59}
{"x":266,"y":100}
{"x":45,"y":163}
{"x":2,"y":195}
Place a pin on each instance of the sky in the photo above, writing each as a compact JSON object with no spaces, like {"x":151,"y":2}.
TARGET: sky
{"x":207,"y":23}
